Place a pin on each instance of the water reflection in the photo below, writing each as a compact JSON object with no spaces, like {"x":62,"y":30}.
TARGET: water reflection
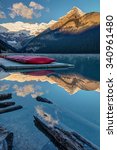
{"x":84,"y":76}
{"x":26,"y":90}
{"x":4,"y":87}
{"x":46,"y":117}
{"x":74,"y":93}
{"x":71,"y":83}
{"x":85,"y":65}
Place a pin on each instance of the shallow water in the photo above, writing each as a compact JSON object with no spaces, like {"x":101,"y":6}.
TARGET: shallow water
{"x":74,"y":93}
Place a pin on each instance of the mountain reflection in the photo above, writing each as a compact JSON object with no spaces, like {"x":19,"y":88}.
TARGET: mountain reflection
{"x":71,"y":83}
{"x":4,"y":87}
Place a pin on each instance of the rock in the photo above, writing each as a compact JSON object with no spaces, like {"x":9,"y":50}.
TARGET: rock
{"x":44,"y":100}
{"x":6,"y":139}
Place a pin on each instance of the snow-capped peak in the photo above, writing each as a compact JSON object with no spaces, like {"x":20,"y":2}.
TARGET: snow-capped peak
{"x":32,"y":28}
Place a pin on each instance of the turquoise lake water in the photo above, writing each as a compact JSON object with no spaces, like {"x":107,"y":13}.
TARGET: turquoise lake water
{"x":75,"y":93}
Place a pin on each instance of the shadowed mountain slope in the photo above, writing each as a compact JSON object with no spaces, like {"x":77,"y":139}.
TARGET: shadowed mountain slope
{"x":4,"y":47}
{"x":76,"y":32}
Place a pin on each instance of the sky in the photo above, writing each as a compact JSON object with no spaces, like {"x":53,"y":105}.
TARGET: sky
{"x":42,"y":10}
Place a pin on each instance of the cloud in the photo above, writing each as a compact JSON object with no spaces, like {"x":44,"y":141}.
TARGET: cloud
{"x":28,"y":12}
{"x":34,"y":95}
{"x":36,"y":5}
{"x":23,"y":90}
{"x":4,"y":87}
{"x":46,"y":117}
{"x":2,"y":15}
{"x":19,"y":9}
{"x":29,"y":89}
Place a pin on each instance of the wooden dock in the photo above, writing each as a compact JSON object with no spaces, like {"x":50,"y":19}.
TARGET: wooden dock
{"x":11,"y":65}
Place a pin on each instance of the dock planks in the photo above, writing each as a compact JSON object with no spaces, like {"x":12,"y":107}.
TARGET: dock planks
{"x":10,"y":65}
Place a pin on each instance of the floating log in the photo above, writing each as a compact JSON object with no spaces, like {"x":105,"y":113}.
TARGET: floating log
{"x":6,"y":139}
{"x":5,"y":96}
{"x":44,"y":100}
{"x":6,"y":104}
{"x":10,"y":109}
{"x":64,"y":140}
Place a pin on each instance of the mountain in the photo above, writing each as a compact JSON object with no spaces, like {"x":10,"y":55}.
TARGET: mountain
{"x":69,"y":20}
{"x":4,"y":47}
{"x":78,"y":24}
{"x":15,"y":39}
{"x":30,"y":28}
{"x":76,"y":32}
{"x":19,"y":33}
{"x":3,"y":29}
{"x":76,"y":21}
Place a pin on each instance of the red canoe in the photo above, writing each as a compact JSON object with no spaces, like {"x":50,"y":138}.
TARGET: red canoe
{"x":31,"y":59}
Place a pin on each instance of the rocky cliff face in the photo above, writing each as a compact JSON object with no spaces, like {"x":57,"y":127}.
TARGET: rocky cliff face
{"x":72,"y":15}
{"x":76,"y":21}
{"x":81,"y":24}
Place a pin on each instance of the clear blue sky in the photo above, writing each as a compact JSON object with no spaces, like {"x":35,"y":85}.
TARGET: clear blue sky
{"x":42,"y":10}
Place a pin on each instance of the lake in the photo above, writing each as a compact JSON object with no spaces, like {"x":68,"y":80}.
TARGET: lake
{"x":75,"y":93}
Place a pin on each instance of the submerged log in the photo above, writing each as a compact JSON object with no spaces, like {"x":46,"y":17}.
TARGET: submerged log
{"x":57,"y":137}
{"x":10,"y":109}
{"x":6,"y":104}
{"x":6,"y":139}
{"x":44,"y":100}
{"x":5,"y":96}
{"x":64,"y":140}
{"x":85,"y":141}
